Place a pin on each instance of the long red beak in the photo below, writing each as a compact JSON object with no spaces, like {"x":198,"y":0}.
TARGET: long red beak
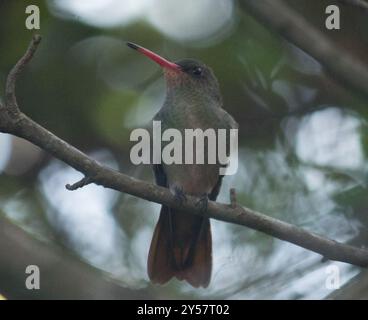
{"x":155,"y":57}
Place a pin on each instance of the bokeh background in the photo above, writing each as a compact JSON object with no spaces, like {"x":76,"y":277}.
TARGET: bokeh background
{"x":303,"y":143}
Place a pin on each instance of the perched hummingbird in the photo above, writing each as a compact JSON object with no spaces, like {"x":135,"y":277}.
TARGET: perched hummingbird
{"x":181,"y":246}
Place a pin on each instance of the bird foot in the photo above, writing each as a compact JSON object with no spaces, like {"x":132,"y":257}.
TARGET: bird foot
{"x":202,"y":203}
{"x":180,"y":195}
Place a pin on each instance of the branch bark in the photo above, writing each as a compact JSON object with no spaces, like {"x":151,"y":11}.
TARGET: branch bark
{"x":279,"y":17}
{"x":22,"y":126}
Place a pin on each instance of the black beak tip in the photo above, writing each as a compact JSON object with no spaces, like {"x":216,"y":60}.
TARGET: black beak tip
{"x":132,"y":45}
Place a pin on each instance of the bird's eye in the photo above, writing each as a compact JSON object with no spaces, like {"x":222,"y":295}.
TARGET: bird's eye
{"x":197,"y":71}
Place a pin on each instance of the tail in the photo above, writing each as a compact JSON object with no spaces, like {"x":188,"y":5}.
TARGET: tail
{"x":181,"y":247}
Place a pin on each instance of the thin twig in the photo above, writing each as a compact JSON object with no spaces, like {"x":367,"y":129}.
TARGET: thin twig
{"x":10,"y":98}
{"x":109,"y":178}
{"x":80,"y":184}
{"x":233,"y":202}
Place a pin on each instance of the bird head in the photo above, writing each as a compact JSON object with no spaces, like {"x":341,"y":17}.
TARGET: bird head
{"x":188,"y":75}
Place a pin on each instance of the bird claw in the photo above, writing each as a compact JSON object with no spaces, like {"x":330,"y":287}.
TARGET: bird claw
{"x":202,"y":203}
{"x":180,"y":195}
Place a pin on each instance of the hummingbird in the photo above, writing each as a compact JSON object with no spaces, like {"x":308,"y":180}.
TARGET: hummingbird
{"x":181,"y":245}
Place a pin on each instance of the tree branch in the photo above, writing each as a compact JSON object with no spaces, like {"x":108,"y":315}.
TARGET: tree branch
{"x":295,"y":28}
{"x":24,"y":127}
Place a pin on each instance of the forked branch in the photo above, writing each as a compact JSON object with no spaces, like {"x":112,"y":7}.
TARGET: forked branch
{"x":20,"y":125}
